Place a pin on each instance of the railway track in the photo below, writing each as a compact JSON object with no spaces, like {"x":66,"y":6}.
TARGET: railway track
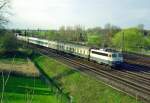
{"x":139,"y":87}
{"x":133,"y":78}
{"x":141,"y":75}
{"x":137,"y":59}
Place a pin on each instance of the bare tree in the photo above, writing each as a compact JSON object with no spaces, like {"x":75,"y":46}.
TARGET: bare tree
{"x":109,"y":31}
{"x":4,"y":4}
{"x":79,"y":33}
{"x":3,"y":20}
{"x":5,"y":80}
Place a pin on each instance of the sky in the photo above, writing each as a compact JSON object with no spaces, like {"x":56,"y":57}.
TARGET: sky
{"x":51,"y":14}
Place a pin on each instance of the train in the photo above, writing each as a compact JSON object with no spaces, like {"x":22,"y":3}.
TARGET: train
{"x":104,"y":56}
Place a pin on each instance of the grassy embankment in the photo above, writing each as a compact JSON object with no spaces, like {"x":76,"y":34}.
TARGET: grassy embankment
{"x":83,"y":88}
{"x":24,"y":84}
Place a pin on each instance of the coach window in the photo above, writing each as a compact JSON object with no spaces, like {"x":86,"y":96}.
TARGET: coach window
{"x":76,"y":50}
{"x":114,"y":55}
{"x":70,"y":49}
{"x":84,"y":52}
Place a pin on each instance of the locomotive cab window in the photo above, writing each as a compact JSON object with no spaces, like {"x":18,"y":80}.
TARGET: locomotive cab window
{"x":120,"y":55}
{"x":114,"y":55}
{"x":98,"y":53}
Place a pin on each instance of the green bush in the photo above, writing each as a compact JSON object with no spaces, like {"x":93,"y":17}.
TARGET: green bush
{"x":94,"y":40}
{"x":8,"y":42}
{"x":130,"y":39}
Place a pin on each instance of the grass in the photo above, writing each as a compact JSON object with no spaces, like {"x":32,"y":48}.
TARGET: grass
{"x":26,"y":86}
{"x":18,"y":89}
{"x":83,"y":88}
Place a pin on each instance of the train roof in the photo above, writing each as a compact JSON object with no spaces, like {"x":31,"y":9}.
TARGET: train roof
{"x":75,"y":45}
{"x":65,"y":43}
{"x":33,"y":38}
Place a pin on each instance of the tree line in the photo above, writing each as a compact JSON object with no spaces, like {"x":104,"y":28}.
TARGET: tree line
{"x":111,"y":36}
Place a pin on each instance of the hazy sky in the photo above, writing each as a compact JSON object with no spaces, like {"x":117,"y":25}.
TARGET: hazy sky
{"x":51,"y":14}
